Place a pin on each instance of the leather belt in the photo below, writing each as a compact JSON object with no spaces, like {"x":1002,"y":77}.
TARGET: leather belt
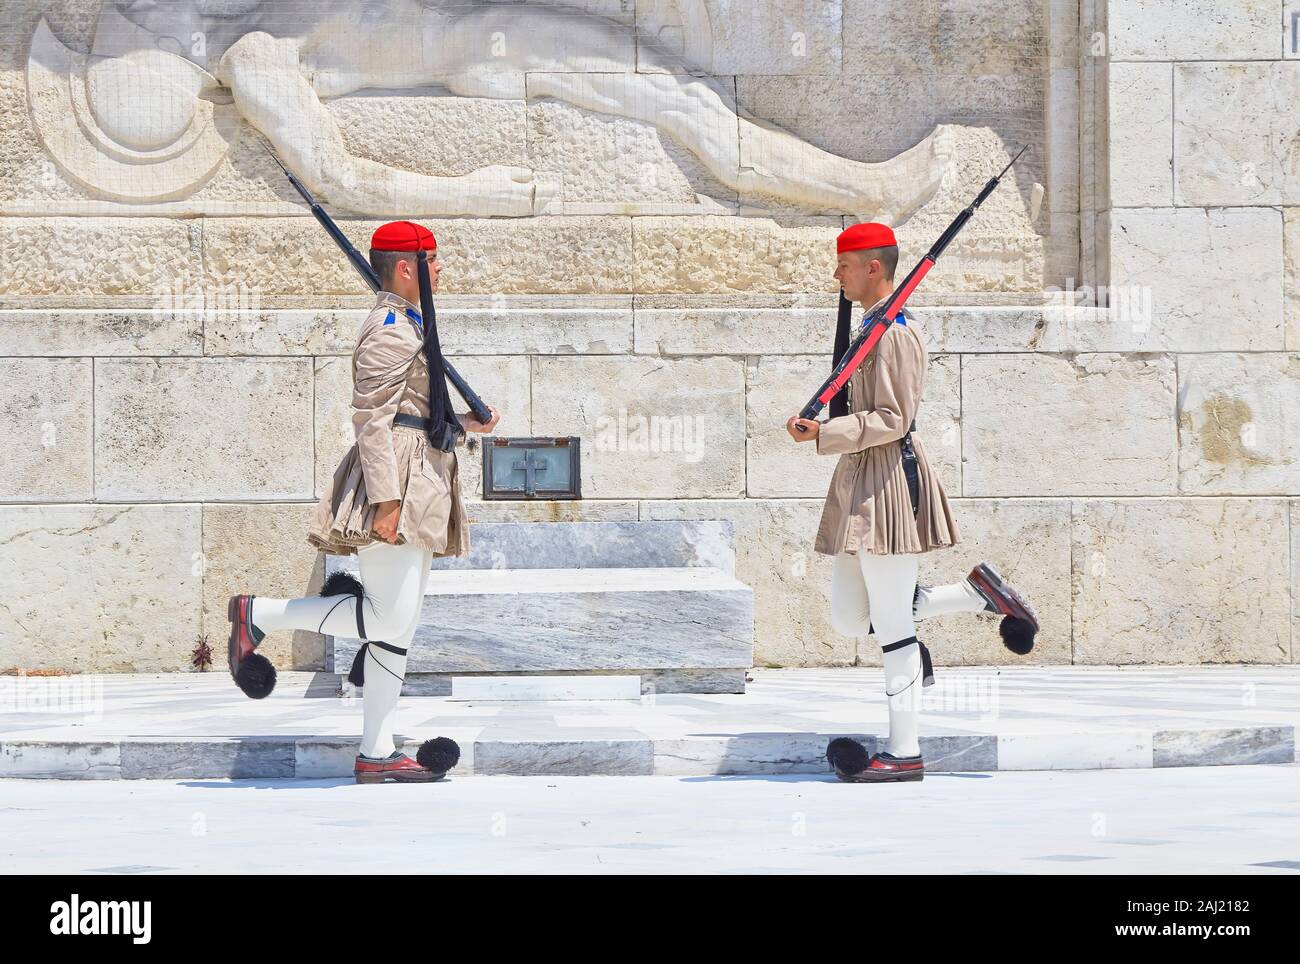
{"x":449,"y":437}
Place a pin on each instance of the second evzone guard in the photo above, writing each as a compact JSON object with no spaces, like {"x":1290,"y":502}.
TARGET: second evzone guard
{"x":885,"y":507}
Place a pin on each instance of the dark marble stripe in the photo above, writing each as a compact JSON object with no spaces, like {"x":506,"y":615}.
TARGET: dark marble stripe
{"x":1216,"y":747}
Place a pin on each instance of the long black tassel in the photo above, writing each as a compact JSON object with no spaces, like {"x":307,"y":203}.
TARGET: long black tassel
{"x":440,"y":410}
{"x":357,"y":675}
{"x":840,"y":403}
{"x":341,"y":583}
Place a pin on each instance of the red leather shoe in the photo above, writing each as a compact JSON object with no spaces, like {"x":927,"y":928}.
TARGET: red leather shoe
{"x":242,"y":643}
{"x":398,"y":767}
{"x":999,"y":596}
{"x":887,"y":768}
{"x":253,"y":672}
{"x":1019,"y":625}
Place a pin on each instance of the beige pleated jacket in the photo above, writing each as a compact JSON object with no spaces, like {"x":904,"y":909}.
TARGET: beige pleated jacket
{"x":388,"y":461}
{"x":868,"y":507}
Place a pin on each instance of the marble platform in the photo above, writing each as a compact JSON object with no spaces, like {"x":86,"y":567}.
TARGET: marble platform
{"x":194,"y":726}
{"x":658,"y":600}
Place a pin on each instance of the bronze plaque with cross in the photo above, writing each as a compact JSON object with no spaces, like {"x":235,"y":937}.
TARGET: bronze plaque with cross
{"x":532,"y":468}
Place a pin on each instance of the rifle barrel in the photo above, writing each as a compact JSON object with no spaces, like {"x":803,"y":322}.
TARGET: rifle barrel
{"x":873,"y":328}
{"x":363,"y":267}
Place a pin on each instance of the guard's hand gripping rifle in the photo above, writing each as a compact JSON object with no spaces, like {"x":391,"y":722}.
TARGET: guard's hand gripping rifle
{"x":476,"y":406}
{"x":874,"y":327}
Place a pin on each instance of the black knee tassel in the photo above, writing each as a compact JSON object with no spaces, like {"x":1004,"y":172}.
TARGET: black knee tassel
{"x":344,"y":583}
{"x":927,"y":667}
{"x":357,"y":675}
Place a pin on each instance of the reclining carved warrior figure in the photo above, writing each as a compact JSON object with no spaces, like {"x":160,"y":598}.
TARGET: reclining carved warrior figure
{"x":278,"y":67}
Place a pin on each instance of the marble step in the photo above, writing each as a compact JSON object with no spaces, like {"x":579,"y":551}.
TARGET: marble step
{"x":595,"y":545}
{"x":543,"y":688}
{"x":198,"y":725}
{"x":650,"y":682}
{"x":533,"y":620}
{"x":616,"y":753}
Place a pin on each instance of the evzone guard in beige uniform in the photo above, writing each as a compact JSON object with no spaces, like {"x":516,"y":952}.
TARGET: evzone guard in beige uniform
{"x":885,"y":506}
{"x":394,"y":501}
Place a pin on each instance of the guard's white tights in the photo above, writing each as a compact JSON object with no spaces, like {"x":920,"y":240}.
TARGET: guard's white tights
{"x":394,"y":579}
{"x":959,"y":597}
{"x":869,"y":590}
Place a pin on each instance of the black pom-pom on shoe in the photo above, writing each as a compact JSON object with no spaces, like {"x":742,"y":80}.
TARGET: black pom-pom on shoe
{"x":1017,"y":634}
{"x":439,"y":754}
{"x":847,"y":756}
{"x":255,"y":676}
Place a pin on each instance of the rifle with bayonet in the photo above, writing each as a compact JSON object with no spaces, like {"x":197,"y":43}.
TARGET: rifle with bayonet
{"x":476,"y":405}
{"x":875,"y":326}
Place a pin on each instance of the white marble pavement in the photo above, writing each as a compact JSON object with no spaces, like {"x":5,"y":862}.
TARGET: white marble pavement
{"x":1180,"y":820}
{"x":975,"y":718}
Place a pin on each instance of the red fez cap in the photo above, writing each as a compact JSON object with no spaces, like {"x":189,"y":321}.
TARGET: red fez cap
{"x":862,"y":236}
{"x":403,"y":236}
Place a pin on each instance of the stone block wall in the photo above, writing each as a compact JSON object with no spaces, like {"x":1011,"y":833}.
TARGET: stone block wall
{"x":1194,"y":216}
{"x":177,"y":380}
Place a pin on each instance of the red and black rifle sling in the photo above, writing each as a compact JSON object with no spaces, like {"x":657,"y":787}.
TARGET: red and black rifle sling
{"x":874,"y":327}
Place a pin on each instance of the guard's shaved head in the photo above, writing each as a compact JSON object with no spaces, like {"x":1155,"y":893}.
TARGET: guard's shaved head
{"x":888,"y":258}
{"x":385,"y":263}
